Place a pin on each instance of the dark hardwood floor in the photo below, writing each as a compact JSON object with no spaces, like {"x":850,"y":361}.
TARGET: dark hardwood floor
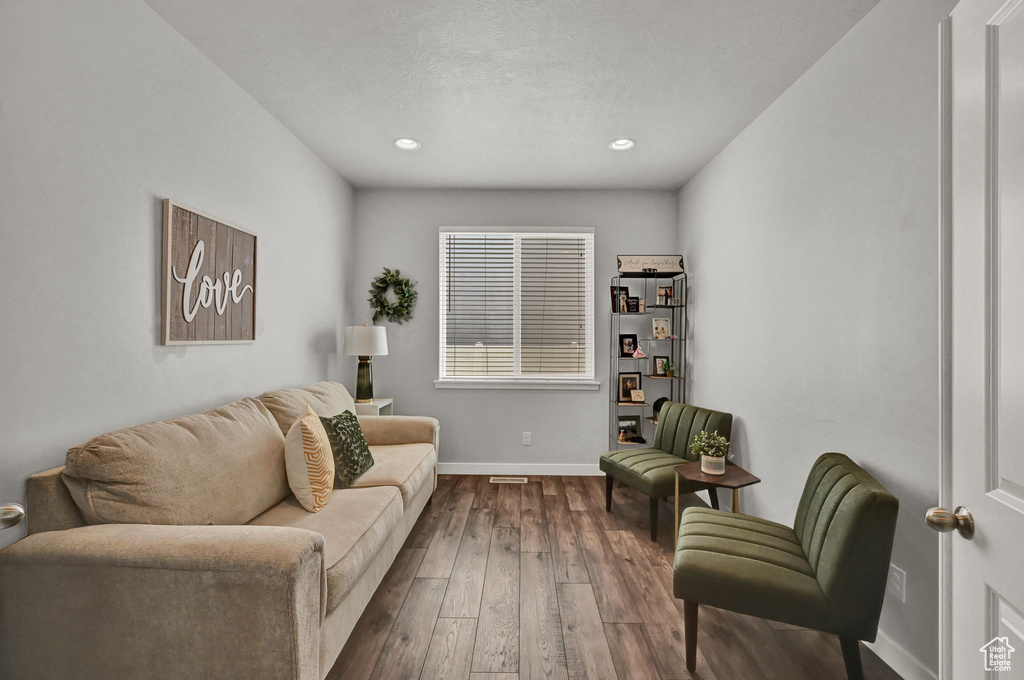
{"x":523,"y":581}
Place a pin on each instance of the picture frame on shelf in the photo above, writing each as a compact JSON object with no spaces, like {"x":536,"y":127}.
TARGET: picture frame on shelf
{"x":629,"y":424}
{"x":628,"y":344}
{"x":632,"y":305}
{"x":662,"y":328}
{"x":627,"y":383}
{"x":629,"y":429}
{"x":664,"y":295}
{"x":659,"y":364}
{"x":617,"y":292}
{"x":623,"y":296}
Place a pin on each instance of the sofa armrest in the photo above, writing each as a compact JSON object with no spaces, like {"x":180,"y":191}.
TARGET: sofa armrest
{"x":132,"y":600}
{"x":50,"y":505}
{"x":390,"y":430}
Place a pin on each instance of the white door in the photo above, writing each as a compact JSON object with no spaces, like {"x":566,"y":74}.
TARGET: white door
{"x":984,"y":318}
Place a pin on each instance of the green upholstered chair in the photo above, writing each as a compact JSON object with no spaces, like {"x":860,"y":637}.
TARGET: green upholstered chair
{"x":827,"y":573}
{"x":650,"y":470}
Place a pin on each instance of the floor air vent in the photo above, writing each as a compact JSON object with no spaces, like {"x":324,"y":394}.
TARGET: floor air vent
{"x":508,"y":480}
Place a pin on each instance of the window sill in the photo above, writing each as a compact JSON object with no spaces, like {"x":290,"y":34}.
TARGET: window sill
{"x":563,"y":385}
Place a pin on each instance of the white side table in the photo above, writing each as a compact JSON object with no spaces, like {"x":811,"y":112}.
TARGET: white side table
{"x":382,"y":406}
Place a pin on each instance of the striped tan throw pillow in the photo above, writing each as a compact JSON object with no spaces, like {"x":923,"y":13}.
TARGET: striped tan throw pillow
{"x":309,"y":461}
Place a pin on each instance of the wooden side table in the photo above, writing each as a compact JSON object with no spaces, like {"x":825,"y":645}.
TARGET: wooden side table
{"x":383,"y":406}
{"x":735,"y":478}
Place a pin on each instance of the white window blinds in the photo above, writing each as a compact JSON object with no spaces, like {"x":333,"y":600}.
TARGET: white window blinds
{"x":517,"y":306}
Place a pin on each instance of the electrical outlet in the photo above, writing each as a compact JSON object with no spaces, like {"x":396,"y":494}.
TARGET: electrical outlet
{"x":527,"y":439}
{"x":897,"y":586}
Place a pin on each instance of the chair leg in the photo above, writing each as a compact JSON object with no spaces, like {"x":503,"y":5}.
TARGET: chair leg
{"x":851,"y":656}
{"x":608,"y":482}
{"x":713,"y":495}
{"x":654,"y":520}
{"x":690,"y":631}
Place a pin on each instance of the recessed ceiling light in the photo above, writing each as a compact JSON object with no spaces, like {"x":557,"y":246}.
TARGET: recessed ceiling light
{"x":623,"y":144}
{"x":407,"y":144}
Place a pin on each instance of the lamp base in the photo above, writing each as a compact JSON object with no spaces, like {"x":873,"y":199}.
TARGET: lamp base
{"x":364,"y":381}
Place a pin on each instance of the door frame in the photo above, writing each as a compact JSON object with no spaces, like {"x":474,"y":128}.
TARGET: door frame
{"x":945,"y":342}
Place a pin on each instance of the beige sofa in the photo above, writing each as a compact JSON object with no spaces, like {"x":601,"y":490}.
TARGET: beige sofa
{"x":176,"y":550}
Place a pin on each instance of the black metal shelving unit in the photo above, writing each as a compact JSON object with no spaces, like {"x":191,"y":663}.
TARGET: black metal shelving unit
{"x":675,"y":347}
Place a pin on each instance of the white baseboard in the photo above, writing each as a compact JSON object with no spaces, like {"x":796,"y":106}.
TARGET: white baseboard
{"x":567,"y":469}
{"x":900,"y":660}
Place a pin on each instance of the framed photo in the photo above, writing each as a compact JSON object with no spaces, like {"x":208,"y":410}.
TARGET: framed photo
{"x":632,"y":305}
{"x":659,"y":365}
{"x":629,"y":428}
{"x":623,"y":297}
{"x":627,"y":383}
{"x":664,"y":295}
{"x":662,"y":328}
{"x":617,"y":292}
{"x":627,"y":344}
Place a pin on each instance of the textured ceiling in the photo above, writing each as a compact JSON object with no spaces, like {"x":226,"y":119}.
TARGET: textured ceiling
{"x":514,"y":93}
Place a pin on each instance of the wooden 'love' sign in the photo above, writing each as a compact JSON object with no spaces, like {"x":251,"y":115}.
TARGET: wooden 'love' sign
{"x":209,"y":279}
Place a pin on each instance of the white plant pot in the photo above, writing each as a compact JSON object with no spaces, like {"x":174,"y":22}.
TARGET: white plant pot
{"x":712,"y":465}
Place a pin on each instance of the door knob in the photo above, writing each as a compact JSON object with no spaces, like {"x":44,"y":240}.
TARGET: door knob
{"x":943,"y":520}
{"x":11,"y":515}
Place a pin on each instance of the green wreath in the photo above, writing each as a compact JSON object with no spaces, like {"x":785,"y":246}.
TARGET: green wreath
{"x":401,"y":310}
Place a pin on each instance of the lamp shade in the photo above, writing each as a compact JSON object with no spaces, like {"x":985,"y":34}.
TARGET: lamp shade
{"x":366,"y":341}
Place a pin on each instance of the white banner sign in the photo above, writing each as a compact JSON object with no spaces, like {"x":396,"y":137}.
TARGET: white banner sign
{"x":650,"y":264}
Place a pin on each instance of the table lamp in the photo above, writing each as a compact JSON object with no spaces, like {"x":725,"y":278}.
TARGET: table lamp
{"x":364,"y":342}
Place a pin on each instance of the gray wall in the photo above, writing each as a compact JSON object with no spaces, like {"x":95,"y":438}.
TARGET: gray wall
{"x":398,"y":229}
{"x":812,"y":242}
{"x":104,"y":111}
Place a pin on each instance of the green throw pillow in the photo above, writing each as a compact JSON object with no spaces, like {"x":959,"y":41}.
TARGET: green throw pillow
{"x":351,"y":454}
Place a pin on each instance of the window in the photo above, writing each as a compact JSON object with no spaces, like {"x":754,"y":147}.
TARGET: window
{"x":517,"y":308}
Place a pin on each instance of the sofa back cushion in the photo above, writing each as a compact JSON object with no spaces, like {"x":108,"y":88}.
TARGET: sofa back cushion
{"x":678,"y":424}
{"x":224,"y":466}
{"x":288,"y":405}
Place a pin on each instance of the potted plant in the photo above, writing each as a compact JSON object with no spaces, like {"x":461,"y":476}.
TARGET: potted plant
{"x":670,"y":370}
{"x":712,"y":449}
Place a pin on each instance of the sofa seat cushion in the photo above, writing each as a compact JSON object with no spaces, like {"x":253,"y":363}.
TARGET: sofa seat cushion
{"x":406,"y":466}
{"x":355,"y":524}
{"x":649,"y":471}
{"x":223,"y":466}
{"x":747,"y":565}
{"x":325,"y":398}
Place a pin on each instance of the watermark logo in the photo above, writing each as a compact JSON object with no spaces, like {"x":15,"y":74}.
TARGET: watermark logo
{"x":997,"y":654}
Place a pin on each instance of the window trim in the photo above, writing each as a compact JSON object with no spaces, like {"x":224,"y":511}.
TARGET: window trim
{"x":528,"y":382}
{"x":477,"y":383}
